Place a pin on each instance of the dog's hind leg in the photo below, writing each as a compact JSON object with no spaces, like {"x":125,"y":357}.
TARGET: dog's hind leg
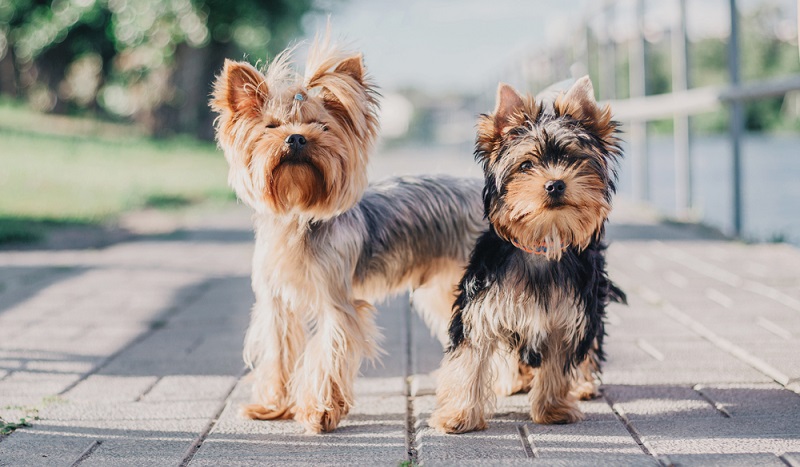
{"x":274,"y":341}
{"x":510,"y":375}
{"x":585,"y":386}
{"x":434,"y":298}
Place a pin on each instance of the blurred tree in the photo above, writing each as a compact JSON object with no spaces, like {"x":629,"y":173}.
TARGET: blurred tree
{"x":150,"y":60}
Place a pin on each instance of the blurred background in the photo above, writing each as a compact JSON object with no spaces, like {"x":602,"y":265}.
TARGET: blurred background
{"x":104,"y":116}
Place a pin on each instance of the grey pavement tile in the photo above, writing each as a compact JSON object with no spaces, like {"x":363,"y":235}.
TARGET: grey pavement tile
{"x":655,"y":402}
{"x":753,"y":400}
{"x":151,"y":449}
{"x":764,"y":434}
{"x":118,"y":411}
{"x":391,"y":320}
{"x":63,"y":442}
{"x":778,"y":353}
{"x":501,"y":441}
{"x":373,"y":433}
{"x":377,"y":386}
{"x":426,"y":351}
{"x":726,"y":460}
{"x":41,"y":448}
{"x":190,"y":388}
{"x":792,"y":458}
{"x":301,"y":450}
{"x":686,"y":361}
{"x":108,"y":388}
{"x":23,"y":388}
{"x":587,"y":442}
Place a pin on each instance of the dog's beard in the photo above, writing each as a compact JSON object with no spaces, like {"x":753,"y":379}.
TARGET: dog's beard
{"x":553,"y":230}
{"x":296,"y":183}
{"x":529,"y":218}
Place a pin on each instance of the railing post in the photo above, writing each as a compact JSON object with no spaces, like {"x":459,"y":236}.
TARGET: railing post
{"x":681,"y":135}
{"x":608,"y":57}
{"x":737,"y":121}
{"x":638,"y":129}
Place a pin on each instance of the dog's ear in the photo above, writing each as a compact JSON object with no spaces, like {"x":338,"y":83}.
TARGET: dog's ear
{"x":508,"y":113}
{"x":347,"y":93}
{"x":353,"y":67}
{"x":579,"y":103}
{"x":509,"y":109}
{"x":240,"y":89}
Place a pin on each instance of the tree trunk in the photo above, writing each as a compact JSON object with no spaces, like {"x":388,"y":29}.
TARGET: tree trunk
{"x":191,"y":79}
{"x":8,"y":74}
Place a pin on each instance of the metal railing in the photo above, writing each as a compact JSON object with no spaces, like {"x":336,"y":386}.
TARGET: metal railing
{"x":575,"y":56}
{"x":684,"y":102}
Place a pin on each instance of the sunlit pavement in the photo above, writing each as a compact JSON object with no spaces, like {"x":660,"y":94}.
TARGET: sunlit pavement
{"x":131,"y":355}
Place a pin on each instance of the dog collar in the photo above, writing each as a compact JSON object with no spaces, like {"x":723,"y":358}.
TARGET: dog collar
{"x":540,"y":249}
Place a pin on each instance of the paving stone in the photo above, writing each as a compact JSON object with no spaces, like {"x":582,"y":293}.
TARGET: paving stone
{"x":373,"y":433}
{"x":753,"y":400}
{"x":726,"y":460}
{"x":737,"y":435}
{"x":107,"y":388}
{"x":586,"y":443}
{"x":172,"y":314}
{"x":90,"y":411}
{"x":654,"y":402}
{"x":190,"y":388}
{"x":501,"y":441}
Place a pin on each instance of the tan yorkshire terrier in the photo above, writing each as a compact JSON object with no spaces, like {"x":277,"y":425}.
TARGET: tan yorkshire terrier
{"x":327,"y":245}
{"x":536,"y":286}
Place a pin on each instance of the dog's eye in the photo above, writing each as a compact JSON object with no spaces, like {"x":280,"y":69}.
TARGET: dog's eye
{"x":324,"y":126}
{"x":527,"y":165}
{"x":273,"y":125}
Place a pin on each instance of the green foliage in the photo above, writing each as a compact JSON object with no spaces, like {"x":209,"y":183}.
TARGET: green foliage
{"x":6,"y":428}
{"x":120,"y":56}
{"x":50,"y":179}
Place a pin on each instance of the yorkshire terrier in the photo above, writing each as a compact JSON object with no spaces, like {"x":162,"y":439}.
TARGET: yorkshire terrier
{"x":536,"y":287}
{"x":327,"y":245}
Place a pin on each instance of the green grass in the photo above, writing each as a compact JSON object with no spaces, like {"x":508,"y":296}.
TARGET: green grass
{"x":56,"y":170}
{"x":6,"y":428}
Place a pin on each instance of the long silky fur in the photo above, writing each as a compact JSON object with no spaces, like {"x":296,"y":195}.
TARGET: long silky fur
{"x":327,"y":246}
{"x":549,"y":308}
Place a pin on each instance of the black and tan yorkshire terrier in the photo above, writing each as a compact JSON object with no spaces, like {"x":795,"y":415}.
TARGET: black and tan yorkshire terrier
{"x":536,"y":286}
{"x":327,"y":245}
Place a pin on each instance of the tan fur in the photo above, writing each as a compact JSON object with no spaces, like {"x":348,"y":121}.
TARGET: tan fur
{"x":527,"y":216}
{"x":313,"y":322}
{"x":585,"y":386}
{"x":529,"y":220}
{"x":463,"y":394}
{"x":510,"y":375}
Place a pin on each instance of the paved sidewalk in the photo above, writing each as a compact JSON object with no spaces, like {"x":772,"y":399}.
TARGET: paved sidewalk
{"x":130,"y":355}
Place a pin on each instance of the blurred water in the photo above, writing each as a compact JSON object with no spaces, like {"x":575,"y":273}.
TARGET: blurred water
{"x":771,"y":173}
{"x":771,"y":179}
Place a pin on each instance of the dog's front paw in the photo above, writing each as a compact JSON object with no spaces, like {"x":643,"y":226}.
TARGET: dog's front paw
{"x":449,"y":421}
{"x":321,"y":421}
{"x":567,"y":412}
{"x":265,"y":411}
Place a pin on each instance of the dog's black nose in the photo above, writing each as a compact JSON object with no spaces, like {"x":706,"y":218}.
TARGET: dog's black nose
{"x":296,"y":142}
{"x":555,"y":188}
